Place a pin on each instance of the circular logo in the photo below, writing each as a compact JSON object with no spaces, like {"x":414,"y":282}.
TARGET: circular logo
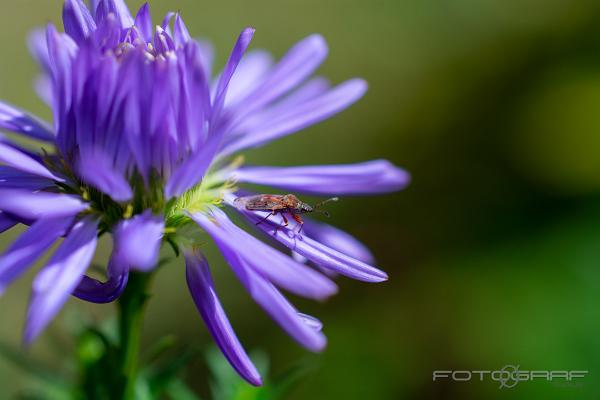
{"x":509,"y":377}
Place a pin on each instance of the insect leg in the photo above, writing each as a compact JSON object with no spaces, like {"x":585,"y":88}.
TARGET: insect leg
{"x":298,"y":219}
{"x":277,"y":226}
{"x":265,"y":218}
{"x":285,"y":221}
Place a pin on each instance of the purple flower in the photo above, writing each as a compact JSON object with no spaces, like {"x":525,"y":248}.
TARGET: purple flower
{"x":142,"y":148}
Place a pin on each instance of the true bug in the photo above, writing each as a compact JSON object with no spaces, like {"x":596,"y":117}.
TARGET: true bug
{"x":281,"y":204}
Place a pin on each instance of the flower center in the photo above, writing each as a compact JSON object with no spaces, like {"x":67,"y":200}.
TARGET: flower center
{"x":161,"y":49}
{"x":209,"y":192}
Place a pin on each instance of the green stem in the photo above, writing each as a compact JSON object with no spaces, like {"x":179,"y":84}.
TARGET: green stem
{"x":131,"y":315}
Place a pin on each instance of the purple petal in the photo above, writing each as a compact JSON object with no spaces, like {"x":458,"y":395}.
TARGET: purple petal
{"x":11,"y":178}
{"x":97,"y":170}
{"x":94,"y":6}
{"x":265,"y":260}
{"x":181,"y":35}
{"x":135,"y":103}
{"x":311,"y":89}
{"x":301,"y":116}
{"x":378,"y":176}
{"x":250,"y":73}
{"x":43,"y":88}
{"x":207,"y":55}
{"x":311,"y":321}
{"x":77,"y":19}
{"x":163,"y":41}
{"x":205,"y":297}
{"x":327,"y":272}
{"x":299,"y":258}
{"x":6,"y":222}
{"x":195,"y":109}
{"x":107,"y":37}
{"x":21,"y":161}
{"x":15,"y":120}
{"x":166,"y":22}
{"x":94,"y":291}
{"x":297,"y":65}
{"x":234,"y":59}
{"x":190,"y":172}
{"x":143,"y":22}
{"x":122,"y":12}
{"x":339,"y":240}
{"x":36,"y":205}
{"x":38,"y":47}
{"x":276,"y":305}
{"x":30,"y":246}
{"x":116,"y":7}
{"x":57,"y":280}
{"x":138,"y":240}
{"x":316,"y":252}
{"x":61,"y":50}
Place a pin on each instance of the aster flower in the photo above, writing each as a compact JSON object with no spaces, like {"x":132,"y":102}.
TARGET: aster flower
{"x":143,"y":148}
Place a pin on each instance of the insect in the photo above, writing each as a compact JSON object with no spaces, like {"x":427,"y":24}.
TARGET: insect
{"x":283,"y":205}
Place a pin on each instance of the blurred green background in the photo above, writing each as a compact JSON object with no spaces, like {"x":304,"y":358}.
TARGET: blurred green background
{"x":493,"y":251}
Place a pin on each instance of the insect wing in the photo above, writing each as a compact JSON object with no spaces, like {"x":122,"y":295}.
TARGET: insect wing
{"x":264,"y":202}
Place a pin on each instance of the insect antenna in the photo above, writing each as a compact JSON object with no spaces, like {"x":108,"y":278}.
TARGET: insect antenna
{"x":320,"y":204}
